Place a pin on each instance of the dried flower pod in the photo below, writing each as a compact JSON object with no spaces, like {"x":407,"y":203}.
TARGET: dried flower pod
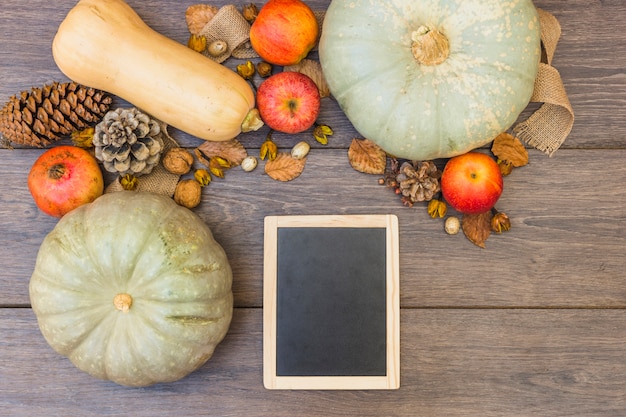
{"x":202,"y":176}
{"x":129,"y":182}
{"x":249,"y":163}
{"x":268,"y":149}
{"x":452,"y":225}
{"x":188,"y":193}
{"x":500,"y":222}
{"x":264,"y":69}
{"x":197,"y":43}
{"x":217,"y":48}
{"x":83,"y":138}
{"x":321,"y":133}
{"x":300,"y":150}
{"x":246,"y":70}
{"x":437,"y":208}
{"x":250,"y":12}
{"x":178,"y":161}
{"x":506,"y":167}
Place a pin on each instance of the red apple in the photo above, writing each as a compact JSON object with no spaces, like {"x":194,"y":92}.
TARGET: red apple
{"x":63,"y":178}
{"x":284,"y":31}
{"x":471,"y":183}
{"x":288,"y":102}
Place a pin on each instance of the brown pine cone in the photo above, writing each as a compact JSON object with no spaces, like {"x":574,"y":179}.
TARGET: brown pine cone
{"x":43,"y":115}
{"x":418,"y":181}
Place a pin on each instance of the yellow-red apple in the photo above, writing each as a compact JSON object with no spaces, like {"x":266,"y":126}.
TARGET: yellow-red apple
{"x":471,"y":183}
{"x":63,"y":178}
{"x":284,"y":31}
{"x":288,"y":102}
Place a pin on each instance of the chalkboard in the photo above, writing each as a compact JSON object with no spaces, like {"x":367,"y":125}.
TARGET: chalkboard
{"x":331,"y":302}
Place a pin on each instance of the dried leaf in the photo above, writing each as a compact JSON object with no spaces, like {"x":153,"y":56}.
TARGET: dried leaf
{"x":203,"y":159}
{"x":198,"y":15}
{"x":230,"y":150}
{"x":507,"y":147}
{"x":477,"y":227}
{"x":313,"y":69}
{"x":366,"y":156}
{"x":284,"y":167}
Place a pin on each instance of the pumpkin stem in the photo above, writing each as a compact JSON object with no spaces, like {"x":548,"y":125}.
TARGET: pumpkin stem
{"x":122,"y":302}
{"x":252,"y":121}
{"x":430,"y":46}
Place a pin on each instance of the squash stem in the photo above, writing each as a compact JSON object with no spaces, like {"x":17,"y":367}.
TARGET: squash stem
{"x":252,"y":121}
{"x":430,"y":46}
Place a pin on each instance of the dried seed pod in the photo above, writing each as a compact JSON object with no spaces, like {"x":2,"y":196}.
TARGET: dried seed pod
{"x":202,"y":176}
{"x":500,"y":222}
{"x":83,"y":138}
{"x":250,"y":11}
{"x":246,"y":70}
{"x":437,"y":208}
{"x":264,"y":69}
{"x":197,"y":43}
{"x":178,"y":161}
{"x":129,"y":182}
{"x":300,"y":150}
{"x":188,"y":193}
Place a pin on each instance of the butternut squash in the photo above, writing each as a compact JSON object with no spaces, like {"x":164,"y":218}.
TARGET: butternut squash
{"x":104,"y":44}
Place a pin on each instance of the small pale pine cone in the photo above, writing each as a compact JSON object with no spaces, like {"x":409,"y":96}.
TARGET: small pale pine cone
{"x":127,"y":141}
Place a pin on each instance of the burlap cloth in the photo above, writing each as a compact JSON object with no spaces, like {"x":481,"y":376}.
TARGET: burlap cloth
{"x":546,"y":129}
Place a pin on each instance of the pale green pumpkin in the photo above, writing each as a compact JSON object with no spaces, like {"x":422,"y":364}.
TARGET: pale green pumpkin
{"x":132,"y":288}
{"x":428,"y":79}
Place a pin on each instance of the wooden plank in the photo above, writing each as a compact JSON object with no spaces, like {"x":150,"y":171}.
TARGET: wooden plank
{"x":591,"y":56}
{"x":455,"y":363}
{"x":567,"y":245}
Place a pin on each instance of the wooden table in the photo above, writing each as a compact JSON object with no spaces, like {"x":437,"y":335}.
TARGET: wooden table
{"x":533,"y":325}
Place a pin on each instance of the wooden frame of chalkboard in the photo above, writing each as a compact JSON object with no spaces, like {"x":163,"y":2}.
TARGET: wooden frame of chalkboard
{"x":331,"y":303}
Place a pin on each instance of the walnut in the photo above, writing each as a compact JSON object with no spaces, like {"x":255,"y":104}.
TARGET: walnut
{"x":178,"y":161}
{"x":188,"y":193}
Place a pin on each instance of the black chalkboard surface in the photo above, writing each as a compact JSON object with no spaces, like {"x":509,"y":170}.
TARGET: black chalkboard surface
{"x":331,"y":302}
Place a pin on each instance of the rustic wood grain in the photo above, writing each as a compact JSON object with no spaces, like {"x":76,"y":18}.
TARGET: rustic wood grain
{"x":454,"y":363}
{"x":531,"y":326}
{"x":566,"y":248}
